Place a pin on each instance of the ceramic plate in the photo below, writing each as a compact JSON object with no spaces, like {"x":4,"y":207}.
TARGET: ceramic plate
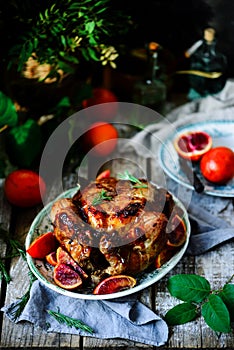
{"x":222,"y":133}
{"x":44,"y":271}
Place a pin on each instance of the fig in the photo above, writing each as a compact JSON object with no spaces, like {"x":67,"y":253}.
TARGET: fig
{"x":176,"y":230}
{"x":51,"y":258}
{"x":42,"y":245}
{"x":65,"y":277}
{"x":64,"y":257}
{"x":114,"y":284}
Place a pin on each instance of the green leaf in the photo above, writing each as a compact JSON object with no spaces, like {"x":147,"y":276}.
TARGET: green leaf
{"x":90,"y":26}
{"x":8,"y":114}
{"x":227,"y":295}
{"x":189,"y":287}
{"x":24,"y":143}
{"x":216,"y":314}
{"x":181,"y":314}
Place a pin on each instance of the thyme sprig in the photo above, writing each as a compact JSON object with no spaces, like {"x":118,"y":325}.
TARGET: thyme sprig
{"x":100,"y":197}
{"x":3,"y":272}
{"x":69,"y":321}
{"x":127,"y":176}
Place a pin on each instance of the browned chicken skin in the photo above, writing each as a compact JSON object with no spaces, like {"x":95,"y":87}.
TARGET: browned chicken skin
{"x":113,"y":227}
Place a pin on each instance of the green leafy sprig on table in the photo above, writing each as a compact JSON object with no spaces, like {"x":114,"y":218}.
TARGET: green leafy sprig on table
{"x":216,"y":306}
{"x":70,"y":321}
{"x":127,"y":176}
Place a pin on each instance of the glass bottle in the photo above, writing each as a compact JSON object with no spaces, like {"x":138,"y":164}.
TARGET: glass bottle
{"x":151,"y":90}
{"x":207,"y":59}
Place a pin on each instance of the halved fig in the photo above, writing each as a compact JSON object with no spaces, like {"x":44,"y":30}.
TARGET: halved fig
{"x":114,"y":284}
{"x":51,"y":258}
{"x":63,"y":257}
{"x":176,"y":232}
{"x":67,"y":278}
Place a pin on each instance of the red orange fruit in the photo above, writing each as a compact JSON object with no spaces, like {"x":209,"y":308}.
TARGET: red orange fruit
{"x":176,"y":232}
{"x":192,"y":145}
{"x":42,"y":245}
{"x":114,"y":284}
{"x":217,"y":165}
{"x":24,"y":188}
{"x":102,"y":138}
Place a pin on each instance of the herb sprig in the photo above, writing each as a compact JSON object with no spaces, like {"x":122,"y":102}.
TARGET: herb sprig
{"x":127,"y":176}
{"x":70,"y":321}
{"x":216,"y":306}
{"x":100,"y":197}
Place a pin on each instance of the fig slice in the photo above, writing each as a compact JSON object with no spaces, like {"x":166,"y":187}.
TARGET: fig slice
{"x":64,"y":257}
{"x":176,"y":232}
{"x":114,"y":284}
{"x":66,"y":278}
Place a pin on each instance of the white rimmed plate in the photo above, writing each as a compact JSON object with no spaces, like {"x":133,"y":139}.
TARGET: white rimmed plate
{"x":44,"y":272}
{"x":222,"y":133}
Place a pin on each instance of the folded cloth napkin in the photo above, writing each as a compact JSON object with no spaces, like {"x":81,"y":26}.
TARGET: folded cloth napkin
{"x":125,"y":318}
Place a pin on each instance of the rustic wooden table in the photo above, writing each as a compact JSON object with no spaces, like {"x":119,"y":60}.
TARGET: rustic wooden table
{"x":216,"y":266}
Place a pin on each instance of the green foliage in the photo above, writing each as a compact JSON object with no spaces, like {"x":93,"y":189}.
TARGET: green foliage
{"x":8,"y":114}
{"x":216,"y":307}
{"x":65,"y":32}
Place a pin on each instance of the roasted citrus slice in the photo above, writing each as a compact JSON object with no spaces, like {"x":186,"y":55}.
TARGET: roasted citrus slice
{"x":65,"y":277}
{"x":164,"y":256}
{"x":63,"y":257}
{"x":105,"y":174}
{"x":176,"y":230}
{"x":192,"y":145}
{"x":217,"y":165}
{"x":114,"y":284}
{"x":51,"y":259}
{"x":42,"y":245}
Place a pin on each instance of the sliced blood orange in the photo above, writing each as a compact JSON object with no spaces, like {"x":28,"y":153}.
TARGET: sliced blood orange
{"x":103,"y":175}
{"x":192,"y":145}
{"x":114,"y":284}
{"x":65,"y":277}
{"x":164,"y":256}
{"x":42,"y":246}
{"x":51,"y":258}
{"x":176,"y":229}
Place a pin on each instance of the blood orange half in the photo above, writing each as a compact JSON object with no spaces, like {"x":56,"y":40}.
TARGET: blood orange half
{"x":192,"y":145}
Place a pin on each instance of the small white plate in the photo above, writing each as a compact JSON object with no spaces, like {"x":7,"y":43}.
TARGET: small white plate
{"x":44,"y":273}
{"x":222,"y":133}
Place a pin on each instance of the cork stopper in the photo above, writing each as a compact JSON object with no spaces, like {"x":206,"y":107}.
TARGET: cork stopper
{"x":209,"y":34}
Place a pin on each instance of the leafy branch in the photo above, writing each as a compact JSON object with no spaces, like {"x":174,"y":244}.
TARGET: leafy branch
{"x":127,"y":176}
{"x":100,"y":197}
{"x":70,"y":322}
{"x":216,"y":306}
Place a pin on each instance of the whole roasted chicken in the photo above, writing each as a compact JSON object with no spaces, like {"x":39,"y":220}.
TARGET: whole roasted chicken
{"x":113,"y":226}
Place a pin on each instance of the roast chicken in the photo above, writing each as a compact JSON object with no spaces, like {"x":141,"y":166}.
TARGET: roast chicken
{"x":113,"y":226}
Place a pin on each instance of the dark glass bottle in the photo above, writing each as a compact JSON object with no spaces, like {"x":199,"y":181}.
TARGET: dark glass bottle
{"x":207,"y":68}
{"x":151,"y":90}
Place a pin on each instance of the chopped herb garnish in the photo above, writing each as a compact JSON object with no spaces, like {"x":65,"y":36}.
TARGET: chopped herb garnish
{"x":129,"y":177}
{"x":100,"y":197}
{"x":70,"y":322}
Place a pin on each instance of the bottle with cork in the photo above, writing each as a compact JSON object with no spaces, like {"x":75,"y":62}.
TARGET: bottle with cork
{"x":208,"y":66}
{"x":151,"y":90}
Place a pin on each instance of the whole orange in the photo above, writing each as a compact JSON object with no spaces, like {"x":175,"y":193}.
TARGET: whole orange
{"x":217,"y":165}
{"x":102,"y":138}
{"x":107,"y":110}
{"x":24,"y":188}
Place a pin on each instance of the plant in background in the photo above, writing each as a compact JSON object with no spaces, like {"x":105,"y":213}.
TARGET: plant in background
{"x":60,"y":35}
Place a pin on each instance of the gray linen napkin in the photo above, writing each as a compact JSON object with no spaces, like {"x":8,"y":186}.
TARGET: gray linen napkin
{"x":125,"y":318}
